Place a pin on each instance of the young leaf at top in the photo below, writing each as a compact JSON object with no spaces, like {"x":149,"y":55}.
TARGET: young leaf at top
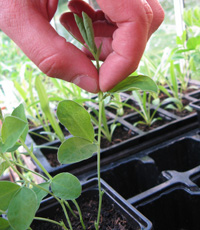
{"x":89,"y":32}
{"x":76,"y":119}
{"x":66,"y":186}
{"x":22,"y":209}
{"x":11,"y":131}
{"x":75,"y":149}
{"x":139,"y":82}
{"x":86,"y":29}
{"x":7,"y":190}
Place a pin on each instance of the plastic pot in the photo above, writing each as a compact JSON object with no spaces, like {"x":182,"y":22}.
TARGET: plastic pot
{"x":134,"y":219}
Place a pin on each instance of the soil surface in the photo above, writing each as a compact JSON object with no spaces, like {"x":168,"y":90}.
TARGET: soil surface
{"x":110,"y":218}
{"x":120,"y":134}
{"x":155,"y":125}
{"x":184,"y":112}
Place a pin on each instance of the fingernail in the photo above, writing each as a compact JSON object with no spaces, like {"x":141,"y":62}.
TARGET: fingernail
{"x":85,"y":82}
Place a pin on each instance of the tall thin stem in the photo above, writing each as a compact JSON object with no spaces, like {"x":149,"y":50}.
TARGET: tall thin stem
{"x":98,"y":159}
{"x":35,"y":159}
{"x":66,"y":214}
{"x":51,"y":221}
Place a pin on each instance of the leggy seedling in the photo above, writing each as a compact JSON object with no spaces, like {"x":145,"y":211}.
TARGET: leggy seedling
{"x":19,"y":201}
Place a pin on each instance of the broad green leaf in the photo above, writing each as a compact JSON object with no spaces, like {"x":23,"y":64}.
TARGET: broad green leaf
{"x":19,"y":112}
{"x":139,"y":82}
{"x":41,"y":193}
{"x":4,"y":224}
{"x":11,"y":131}
{"x":76,"y":119}
{"x":66,"y":186}
{"x":22,"y":209}
{"x":3,"y":166}
{"x":75,"y":149}
{"x":7,"y":190}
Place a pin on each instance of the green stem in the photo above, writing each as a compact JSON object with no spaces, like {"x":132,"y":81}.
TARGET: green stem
{"x":35,"y":159}
{"x":66,"y":215}
{"x":13,"y":168}
{"x":80,"y":214}
{"x":70,"y":209}
{"x":98,"y":159}
{"x":27,"y":169}
{"x":51,"y":221}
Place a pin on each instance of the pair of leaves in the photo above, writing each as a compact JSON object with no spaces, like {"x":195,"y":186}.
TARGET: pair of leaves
{"x":78,"y":121}
{"x":14,"y":127}
{"x":20,"y":204}
{"x":86,"y":29}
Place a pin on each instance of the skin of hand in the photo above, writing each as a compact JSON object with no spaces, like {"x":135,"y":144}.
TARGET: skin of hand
{"x":124,"y":27}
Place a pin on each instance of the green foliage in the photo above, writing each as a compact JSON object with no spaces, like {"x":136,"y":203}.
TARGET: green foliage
{"x":66,"y":186}
{"x":75,"y":149}
{"x":11,"y":131}
{"x":40,"y":193}
{"x":14,"y":127}
{"x":19,"y":202}
{"x":7,"y":191}
{"x":22,"y":208}
{"x":135,"y":83}
{"x":44,"y":102}
{"x":4,"y":224}
{"x":76,"y":119}
{"x":143,"y":102}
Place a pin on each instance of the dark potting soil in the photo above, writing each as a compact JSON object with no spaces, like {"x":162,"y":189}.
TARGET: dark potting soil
{"x":183,"y":113}
{"x":52,"y":158}
{"x":155,"y":125}
{"x":110,"y":218}
{"x":120,"y":134}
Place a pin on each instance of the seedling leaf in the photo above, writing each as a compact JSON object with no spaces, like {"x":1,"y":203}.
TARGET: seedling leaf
{"x":76,"y":119}
{"x":139,"y":82}
{"x":66,"y":186}
{"x":7,"y":190}
{"x":19,"y":112}
{"x":22,"y":209}
{"x":75,"y":149}
{"x":89,"y":32}
{"x":12,"y":129}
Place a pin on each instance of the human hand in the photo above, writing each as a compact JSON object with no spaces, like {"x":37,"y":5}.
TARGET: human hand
{"x":26,"y":22}
{"x":123,"y":27}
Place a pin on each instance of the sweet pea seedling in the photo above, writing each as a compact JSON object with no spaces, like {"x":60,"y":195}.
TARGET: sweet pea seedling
{"x":83,"y":145}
